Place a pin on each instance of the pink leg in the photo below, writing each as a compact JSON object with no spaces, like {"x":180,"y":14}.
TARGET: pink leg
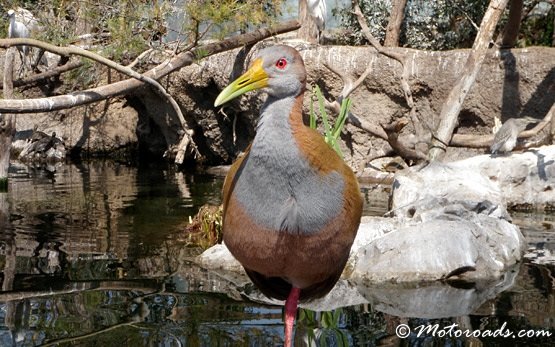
{"x":290,"y":314}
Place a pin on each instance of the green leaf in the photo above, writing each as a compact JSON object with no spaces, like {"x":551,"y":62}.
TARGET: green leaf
{"x":327,"y":129}
{"x":331,"y":135}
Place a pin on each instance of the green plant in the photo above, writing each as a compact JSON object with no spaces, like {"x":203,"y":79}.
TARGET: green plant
{"x":331,"y":134}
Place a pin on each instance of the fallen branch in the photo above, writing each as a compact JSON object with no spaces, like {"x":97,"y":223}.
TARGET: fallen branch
{"x":73,"y":50}
{"x":401,"y":58}
{"x":405,"y":152}
{"x":484,"y":141}
{"x":47,"y":74}
{"x":388,"y":53}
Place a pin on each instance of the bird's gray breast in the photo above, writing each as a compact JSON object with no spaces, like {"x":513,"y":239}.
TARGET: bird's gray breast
{"x":279,"y":190}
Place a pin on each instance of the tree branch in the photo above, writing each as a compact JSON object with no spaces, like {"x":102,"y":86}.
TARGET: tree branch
{"x":126,"y":86}
{"x":68,"y":51}
{"x":47,"y":74}
{"x":348,"y":87}
{"x":401,"y":58}
{"x":484,"y":141}
{"x":452,"y":105}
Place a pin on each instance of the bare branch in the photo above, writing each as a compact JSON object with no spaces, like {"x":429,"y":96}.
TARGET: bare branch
{"x":68,"y":51}
{"x":47,"y":74}
{"x":348,"y":87}
{"x":401,"y":58}
{"x":405,"y":152}
{"x":484,"y":141}
{"x":452,"y":105}
{"x":124,"y":87}
{"x":140,"y":57}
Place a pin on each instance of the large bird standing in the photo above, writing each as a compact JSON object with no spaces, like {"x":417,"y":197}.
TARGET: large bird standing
{"x":292,"y":207}
{"x":16,"y":29}
{"x":317,"y":10}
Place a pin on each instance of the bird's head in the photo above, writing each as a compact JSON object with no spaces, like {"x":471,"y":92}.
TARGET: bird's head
{"x":278,"y":69}
{"x":11,"y":13}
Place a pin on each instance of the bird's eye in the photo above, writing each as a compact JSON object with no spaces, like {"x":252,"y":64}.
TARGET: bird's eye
{"x":281,"y":63}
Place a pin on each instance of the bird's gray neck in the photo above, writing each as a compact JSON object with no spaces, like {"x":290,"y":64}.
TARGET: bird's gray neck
{"x":274,"y":128}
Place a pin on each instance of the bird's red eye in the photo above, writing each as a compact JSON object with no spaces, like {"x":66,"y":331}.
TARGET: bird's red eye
{"x":281,"y":63}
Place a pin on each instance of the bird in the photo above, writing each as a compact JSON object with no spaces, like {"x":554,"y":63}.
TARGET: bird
{"x":291,"y":205}
{"x":505,"y":138}
{"x":317,"y":10}
{"x":16,"y":29}
{"x":43,"y":147}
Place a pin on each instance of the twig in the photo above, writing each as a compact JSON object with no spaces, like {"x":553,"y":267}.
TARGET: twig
{"x":47,"y":74}
{"x":348,"y":87}
{"x":393,"y":131}
{"x":140,"y":57}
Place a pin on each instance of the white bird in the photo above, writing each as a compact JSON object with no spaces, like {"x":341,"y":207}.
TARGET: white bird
{"x":317,"y":10}
{"x":17,"y":29}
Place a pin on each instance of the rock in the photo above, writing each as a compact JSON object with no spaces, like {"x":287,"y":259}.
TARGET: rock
{"x":36,"y":147}
{"x":92,"y":129}
{"x":454,"y":224}
{"x":524,"y":179}
{"x":218,"y":257}
{"x":482,"y":248}
{"x":452,"y":189}
{"x":427,"y":300}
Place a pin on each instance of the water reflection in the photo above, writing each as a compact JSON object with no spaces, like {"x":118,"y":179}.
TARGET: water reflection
{"x":90,"y":256}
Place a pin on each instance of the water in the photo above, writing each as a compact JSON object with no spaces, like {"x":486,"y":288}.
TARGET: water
{"x":94,"y":255}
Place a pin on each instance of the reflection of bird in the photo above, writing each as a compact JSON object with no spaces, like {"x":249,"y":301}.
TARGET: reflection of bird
{"x":506,"y":137}
{"x":317,"y":10}
{"x":291,"y":205}
{"x":16,"y":29}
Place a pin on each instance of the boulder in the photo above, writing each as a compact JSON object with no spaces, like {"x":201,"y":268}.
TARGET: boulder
{"x":525,"y":179}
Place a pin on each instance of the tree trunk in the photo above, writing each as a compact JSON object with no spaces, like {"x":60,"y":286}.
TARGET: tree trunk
{"x":510,"y":32}
{"x":308,"y":30}
{"x":452,"y":105}
{"x":7,"y":121}
{"x":393,"y":29}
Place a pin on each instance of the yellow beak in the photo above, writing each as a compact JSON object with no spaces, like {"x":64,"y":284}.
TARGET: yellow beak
{"x":254,"y":78}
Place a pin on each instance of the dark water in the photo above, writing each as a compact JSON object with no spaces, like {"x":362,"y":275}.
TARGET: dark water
{"x":94,"y":255}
